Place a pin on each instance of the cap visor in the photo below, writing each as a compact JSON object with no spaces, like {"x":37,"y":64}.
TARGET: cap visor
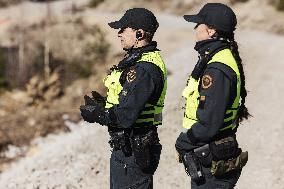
{"x":193,"y":18}
{"x":116,"y":25}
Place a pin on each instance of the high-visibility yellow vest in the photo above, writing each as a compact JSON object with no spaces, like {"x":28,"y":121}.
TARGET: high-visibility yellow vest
{"x":191,"y":94}
{"x":152,"y":113}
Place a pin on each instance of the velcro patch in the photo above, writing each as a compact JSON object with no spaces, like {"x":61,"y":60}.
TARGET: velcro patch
{"x":207,"y":81}
{"x":124,"y":93}
{"x":131,"y":75}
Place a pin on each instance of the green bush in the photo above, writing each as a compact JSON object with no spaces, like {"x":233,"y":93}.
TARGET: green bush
{"x":94,"y":3}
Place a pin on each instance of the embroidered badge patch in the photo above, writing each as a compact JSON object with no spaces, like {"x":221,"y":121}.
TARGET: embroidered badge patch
{"x":206,"y":81}
{"x":131,"y":75}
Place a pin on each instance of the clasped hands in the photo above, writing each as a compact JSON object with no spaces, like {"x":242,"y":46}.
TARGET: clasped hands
{"x":94,"y":108}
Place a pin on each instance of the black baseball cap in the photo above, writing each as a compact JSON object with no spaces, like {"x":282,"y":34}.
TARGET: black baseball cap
{"x":137,"y":18}
{"x":217,"y":15}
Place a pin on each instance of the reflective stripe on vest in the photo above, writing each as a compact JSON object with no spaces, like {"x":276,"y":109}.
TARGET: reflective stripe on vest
{"x":192,"y":95}
{"x":151,"y":114}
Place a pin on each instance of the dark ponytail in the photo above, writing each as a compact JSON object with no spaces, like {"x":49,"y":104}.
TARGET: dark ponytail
{"x":243,"y":111}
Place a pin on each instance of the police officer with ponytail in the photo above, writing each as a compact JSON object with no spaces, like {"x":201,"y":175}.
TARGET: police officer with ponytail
{"x":132,"y":109}
{"x":215,"y":97}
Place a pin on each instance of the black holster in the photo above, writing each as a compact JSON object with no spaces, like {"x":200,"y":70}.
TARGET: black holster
{"x":193,"y":167}
{"x":120,"y":141}
{"x":142,"y":146}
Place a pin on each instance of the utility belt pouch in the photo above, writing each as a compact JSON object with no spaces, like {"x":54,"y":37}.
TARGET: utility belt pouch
{"x":225,"y":148}
{"x":193,"y":167}
{"x":141,"y":148}
{"x":224,"y":166}
{"x":121,"y":141}
{"x":204,"y":155}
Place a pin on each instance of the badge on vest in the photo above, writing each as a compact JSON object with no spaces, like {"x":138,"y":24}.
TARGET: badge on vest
{"x":206,"y":81}
{"x":131,"y":75}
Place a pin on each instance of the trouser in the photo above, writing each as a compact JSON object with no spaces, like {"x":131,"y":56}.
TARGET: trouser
{"x":125,"y":173}
{"x":226,"y":181}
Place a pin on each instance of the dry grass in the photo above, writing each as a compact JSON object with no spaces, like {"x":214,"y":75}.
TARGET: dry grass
{"x":94,"y":3}
{"x":5,"y":3}
{"x":78,"y":50}
{"x":74,"y":47}
{"x":280,"y":5}
{"x":238,"y":1}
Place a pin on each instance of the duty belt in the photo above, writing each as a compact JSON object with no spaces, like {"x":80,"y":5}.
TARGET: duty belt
{"x":123,"y":139}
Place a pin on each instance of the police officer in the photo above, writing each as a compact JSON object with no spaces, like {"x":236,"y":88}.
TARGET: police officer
{"x":133,"y":107}
{"x":215,"y":103}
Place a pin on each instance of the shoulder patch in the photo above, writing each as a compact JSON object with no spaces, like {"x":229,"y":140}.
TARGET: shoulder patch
{"x":131,"y":75}
{"x":207,"y":81}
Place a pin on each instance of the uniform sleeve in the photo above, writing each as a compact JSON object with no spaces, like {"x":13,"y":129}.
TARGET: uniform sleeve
{"x":215,"y":90}
{"x":137,"y":89}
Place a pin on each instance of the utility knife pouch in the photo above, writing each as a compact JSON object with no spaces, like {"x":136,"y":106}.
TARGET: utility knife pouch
{"x":204,"y":155}
{"x":224,"y":148}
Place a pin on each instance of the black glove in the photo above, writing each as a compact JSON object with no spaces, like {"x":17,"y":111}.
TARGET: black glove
{"x":94,"y":113}
{"x":95,"y":99}
{"x":89,"y":101}
{"x":99,"y":98}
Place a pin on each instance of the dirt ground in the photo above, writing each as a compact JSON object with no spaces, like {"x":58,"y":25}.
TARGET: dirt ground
{"x":79,"y":159}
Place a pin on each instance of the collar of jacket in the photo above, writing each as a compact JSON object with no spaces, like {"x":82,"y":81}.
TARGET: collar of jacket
{"x":207,"y":49}
{"x":210,"y":46}
{"x":134,"y":54}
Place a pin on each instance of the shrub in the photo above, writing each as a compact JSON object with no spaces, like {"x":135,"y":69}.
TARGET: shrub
{"x":74,"y":48}
{"x":3,"y":82}
{"x":94,"y":3}
{"x":5,"y":3}
{"x":280,"y":5}
{"x":238,"y":1}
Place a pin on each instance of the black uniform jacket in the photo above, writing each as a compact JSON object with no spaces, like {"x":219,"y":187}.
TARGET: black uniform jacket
{"x":216,"y":94}
{"x":142,"y":83}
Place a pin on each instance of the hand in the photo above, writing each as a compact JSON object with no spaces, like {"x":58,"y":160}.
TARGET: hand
{"x":87,"y":113}
{"x":93,"y":113}
{"x":89,"y":101}
{"x":178,"y":157}
{"x":96,"y":99}
{"x":182,"y":144}
{"x":99,"y":98}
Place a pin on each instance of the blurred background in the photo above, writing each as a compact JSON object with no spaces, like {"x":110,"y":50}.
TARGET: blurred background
{"x":54,"y":52}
